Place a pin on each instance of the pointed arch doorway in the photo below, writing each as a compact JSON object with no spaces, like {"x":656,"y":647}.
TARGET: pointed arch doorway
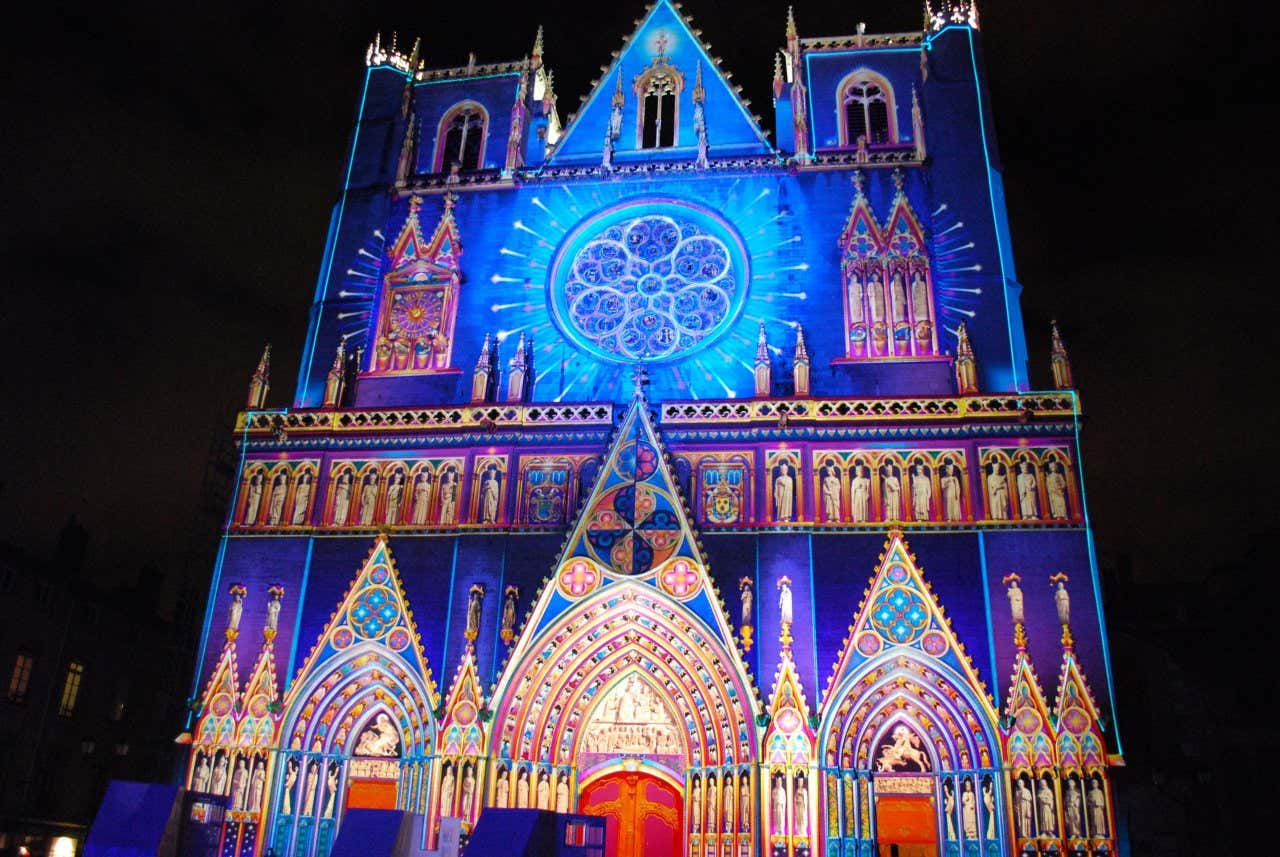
{"x":644,"y":812}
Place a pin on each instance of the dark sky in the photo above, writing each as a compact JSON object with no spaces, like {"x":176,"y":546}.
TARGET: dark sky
{"x":170,"y":173}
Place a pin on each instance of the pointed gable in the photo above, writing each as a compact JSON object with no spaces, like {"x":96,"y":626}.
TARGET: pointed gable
{"x":374,"y":610}
{"x":413,"y":257}
{"x":461,"y":732}
{"x":1080,"y":742}
{"x":903,"y":235}
{"x":220,"y":703}
{"x":860,"y":238}
{"x":899,"y":611}
{"x":1030,"y":737}
{"x":664,"y":36}
{"x":789,"y":740}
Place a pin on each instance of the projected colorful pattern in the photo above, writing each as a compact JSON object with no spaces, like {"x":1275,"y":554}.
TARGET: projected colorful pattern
{"x":648,"y":283}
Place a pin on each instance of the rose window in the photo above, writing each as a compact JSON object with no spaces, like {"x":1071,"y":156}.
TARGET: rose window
{"x":652,"y":286}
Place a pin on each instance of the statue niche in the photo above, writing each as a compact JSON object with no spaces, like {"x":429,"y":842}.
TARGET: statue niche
{"x":632,"y":718}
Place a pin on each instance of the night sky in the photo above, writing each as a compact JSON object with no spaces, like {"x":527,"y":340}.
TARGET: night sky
{"x":171,"y":173}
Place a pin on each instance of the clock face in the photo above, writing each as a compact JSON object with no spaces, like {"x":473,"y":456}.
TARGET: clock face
{"x":648,"y":281}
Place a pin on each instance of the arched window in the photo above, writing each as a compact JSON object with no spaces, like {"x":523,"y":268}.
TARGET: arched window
{"x":658,"y":90}
{"x":460,"y":139}
{"x":867,"y":110}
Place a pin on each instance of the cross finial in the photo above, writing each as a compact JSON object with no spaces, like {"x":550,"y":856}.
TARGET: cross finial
{"x":415,"y":204}
{"x":639,"y":380}
{"x":897,"y":181}
{"x":858,"y":179}
{"x":450,"y":200}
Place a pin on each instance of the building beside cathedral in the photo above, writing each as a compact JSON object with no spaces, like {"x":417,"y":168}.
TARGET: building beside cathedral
{"x":646,"y":463}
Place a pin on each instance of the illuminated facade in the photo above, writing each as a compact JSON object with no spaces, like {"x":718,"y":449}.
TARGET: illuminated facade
{"x":708,"y":463}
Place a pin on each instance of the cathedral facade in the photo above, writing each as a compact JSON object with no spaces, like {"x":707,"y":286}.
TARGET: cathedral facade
{"x":643,"y":463}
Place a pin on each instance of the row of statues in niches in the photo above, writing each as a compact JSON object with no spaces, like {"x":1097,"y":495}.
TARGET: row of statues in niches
{"x":1084,"y":806}
{"x":850,"y":487}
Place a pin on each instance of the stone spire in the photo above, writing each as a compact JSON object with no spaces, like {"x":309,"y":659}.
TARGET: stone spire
{"x":482,"y":377}
{"x":1059,"y":362}
{"x":800,"y":365}
{"x":260,"y":383}
{"x":764,"y":381}
{"x":779,"y":77}
{"x":336,"y":379}
{"x":520,"y":376}
{"x":917,"y":125}
{"x":700,"y":118}
{"x":966,"y":363}
{"x":535,"y":56}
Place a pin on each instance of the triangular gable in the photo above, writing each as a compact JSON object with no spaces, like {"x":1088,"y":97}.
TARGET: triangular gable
{"x":261,"y":698}
{"x":789,"y":740}
{"x":899,"y":611}
{"x":413,"y":257}
{"x":1030,"y":742}
{"x":374,"y":609}
{"x":461,"y":733}
{"x":220,"y":703}
{"x":860,"y":238}
{"x":903,"y":235}
{"x":1080,"y":742}
{"x":633,"y":527}
{"x":667,"y":33}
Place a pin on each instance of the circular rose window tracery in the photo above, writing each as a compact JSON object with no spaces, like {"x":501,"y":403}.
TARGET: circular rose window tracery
{"x":649,"y":282}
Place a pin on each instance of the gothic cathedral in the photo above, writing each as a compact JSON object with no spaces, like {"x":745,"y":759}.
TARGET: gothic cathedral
{"x":645,"y":463}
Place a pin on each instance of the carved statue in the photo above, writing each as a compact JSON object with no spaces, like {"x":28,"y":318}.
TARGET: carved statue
{"x":395,"y":495}
{"x":256,"y":784}
{"x":1015,"y":603}
{"x":968,"y":811}
{"x":447,"y":785}
{"x":952,"y":509}
{"x":891,"y":493}
{"x":275,"y":506}
{"x":522,"y":790}
{"x":784,"y":601}
{"x":200,"y":778}
{"x":1062,"y":600}
{"x":236,"y":608}
{"x":998,"y":492}
{"x":254,"y":501}
{"x":474,"y":600}
{"x":544,"y":791}
{"x":802,"y":808}
{"x":921,"y":492}
{"x":1055,"y":484}
{"x":239,"y":785}
{"x":919,"y":296}
{"x":1024,"y":801}
{"x":830,"y":493}
{"x":368,"y":499}
{"x":421,"y":498}
{"x":1044,"y":803}
{"x":861,"y":490}
{"x":273,"y":610}
{"x":744,"y":804}
{"x":695,"y":807}
{"x":331,"y":789}
{"x":502,"y":791}
{"x":1027,"y":501}
{"x":509,"y":613}
{"x":448,"y":498}
{"x":489,"y":497}
{"x":905,"y":748}
{"x":784,"y":493}
{"x":468,"y":791}
{"x":726,"y":804}
{"x":898,"y":296}
{"x":748,"y":603}
{"x":290,"y":780}
{"x":779,"y":807}
{"x":875,"y":295}
{"x":1097,"y":809}
{"x":562,"y":794}
{"x":342,"y":499}
{"x":309,"y":790}
{"x":379,"y":738}
{"x":989,"y":804}
{"x":1073,"y":810}
{"x":856,"y":312}
{"x":301,"y":500}
{"x":949,"y":810}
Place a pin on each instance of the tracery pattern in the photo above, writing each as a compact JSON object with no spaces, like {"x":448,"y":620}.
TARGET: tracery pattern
{"x":651,"y":288}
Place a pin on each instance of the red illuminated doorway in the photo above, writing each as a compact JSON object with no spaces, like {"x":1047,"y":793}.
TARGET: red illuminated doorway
{"x":644,"y":815}
{"x":906,"y":826}
{"x":371,"y":794}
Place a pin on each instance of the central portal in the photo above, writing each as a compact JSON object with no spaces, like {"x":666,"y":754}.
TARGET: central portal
{"x":643,"y":814}
{"x":906,"y":826}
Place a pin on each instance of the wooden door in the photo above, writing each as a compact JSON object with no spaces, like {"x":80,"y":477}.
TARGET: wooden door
{"x":644,"y":816}
{"x":906,"y":826}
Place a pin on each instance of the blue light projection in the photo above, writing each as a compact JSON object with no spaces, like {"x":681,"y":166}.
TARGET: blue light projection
{"x":648,"y":281}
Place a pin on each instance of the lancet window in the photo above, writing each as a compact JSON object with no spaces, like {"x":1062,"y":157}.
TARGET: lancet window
{"x":866,"y":110}
{"x":658,"y":117}
{"x":888,"y":285}
{"x":461,"y":137}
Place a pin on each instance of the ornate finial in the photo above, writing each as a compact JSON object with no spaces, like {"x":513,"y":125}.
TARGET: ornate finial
{"x":537,"y":45}
{"x":482,"y":377}
{"x":335,"y":380}
{"x":414,"y":56}
{"x":1015,"y":609}
{"x":858,"y":180}
{"x":235,"y":609}
{"x":746,"y":627}
{"x":791,"y":23}
{"x":699,"y":94}
{"x":518,"y":378}
{"x":966,"y":363}
{"x":450,"y":200}
{"x":618,"y":99}
{"x":1062,"y":600}
{"x":917,"y":125}
{"x":785,"y":614}
{"x":800,"y":365}
{"x":763,"y":365}
{"x":778,"y":78}
{"x":1059,"y":363}
{"x":260,"y":383}
{"x":275,"y":592}
{"x":896,"y":177}
{"x":639,"y":380}
{"x":415,"y":204}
